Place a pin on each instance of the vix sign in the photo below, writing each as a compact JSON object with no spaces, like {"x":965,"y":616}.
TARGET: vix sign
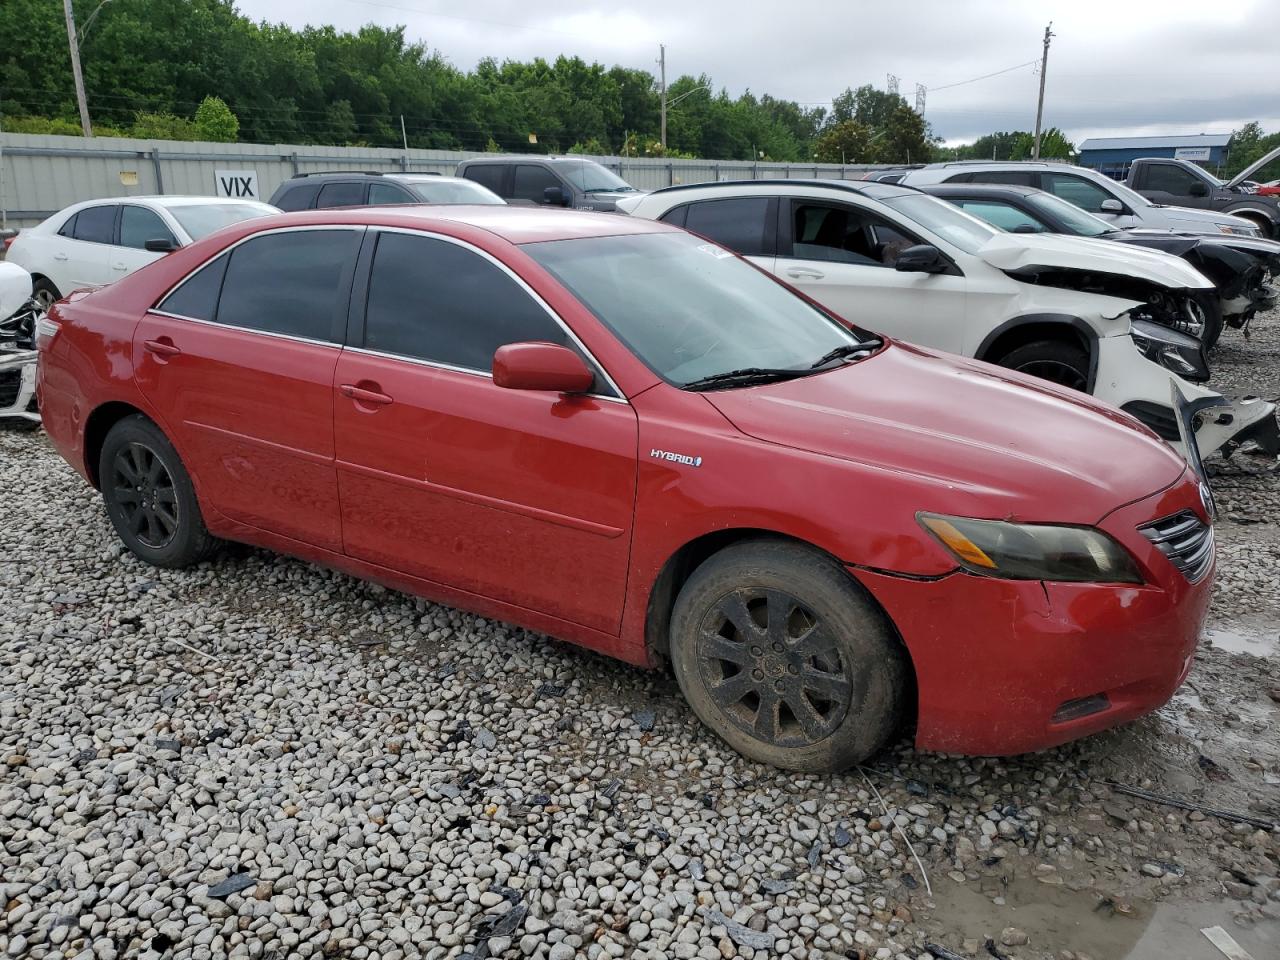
{"x":241,"y":184}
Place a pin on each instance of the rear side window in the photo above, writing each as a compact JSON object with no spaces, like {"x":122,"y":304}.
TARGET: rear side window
{"x":96,"y":224}
{"x":342,"y":193}
{"x":1021,"y":178}
{"x":68,"y":229}
{"x":741,"y":224}
{"x":487,"y":175}
{"x":531,"y":182}
{"x":289,"y":283}
{"x":676,"y":216}
{"x":197,"y":298}
{"x":138,"y":225}
{"x":434,"y":300}
{"x":300,"y":197}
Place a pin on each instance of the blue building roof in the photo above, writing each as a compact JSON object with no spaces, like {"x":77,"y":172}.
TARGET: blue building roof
{"x":1156,"y":143}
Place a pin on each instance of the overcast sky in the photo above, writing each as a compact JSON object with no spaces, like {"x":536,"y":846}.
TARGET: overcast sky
{"x":1116,"y":67}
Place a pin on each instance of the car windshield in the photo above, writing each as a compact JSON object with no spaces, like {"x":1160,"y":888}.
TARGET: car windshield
{"x":434,"y":190}
{"x":690,"y":309}
{"x":201,"y":219}
{"x":589,"y":177}
{"x":941,"y":218}
{"x":1076,"y":221}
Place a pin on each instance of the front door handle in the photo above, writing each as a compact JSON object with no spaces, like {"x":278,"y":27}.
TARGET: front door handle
{"x":365,"y":392}
{"x":59,"y":256}
{"x":164,"y":347}
{"x":803,"y":273}
{"x":119,"y":266}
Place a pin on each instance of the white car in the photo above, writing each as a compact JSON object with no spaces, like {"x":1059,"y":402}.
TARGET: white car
{"x":93,"y":243}
{"x":17,"y":348}
{"x":1087,"y":189}
{"x":893,"y":259}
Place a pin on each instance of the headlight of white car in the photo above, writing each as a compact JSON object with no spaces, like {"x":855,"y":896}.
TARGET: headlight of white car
{"x":1241,"y":231}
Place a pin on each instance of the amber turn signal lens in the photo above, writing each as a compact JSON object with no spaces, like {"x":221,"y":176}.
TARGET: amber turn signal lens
{"x":959,"y":544}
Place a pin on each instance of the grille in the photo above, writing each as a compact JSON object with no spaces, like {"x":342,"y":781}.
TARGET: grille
{"x":1186,"y":540}
{"x":10,"y":384}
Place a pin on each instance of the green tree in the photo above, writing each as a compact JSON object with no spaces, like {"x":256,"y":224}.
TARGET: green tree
{"x":1054,"y":145}
{"x":162,"y":126}
{"x":845,"y":142}
{"x":992,"y":146}
{"x":215,"y":121}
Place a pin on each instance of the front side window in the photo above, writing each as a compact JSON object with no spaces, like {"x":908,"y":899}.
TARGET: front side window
{"x":381,"y":194}
{"x":1071,"y":217}
{"x":1002,"y":215}
{"x":436,"y":190}
{"x":1077,"y":190}
{"x":689,"y":309}
{"x":342,"y":193}
{"x":289,"y":283}
{"x":433,"y":300}
{"x":590,"y":177}
{"x":740,"y":223}
{"x":1170,"y":178}
{"x":96,"y":224}
{"x":138,"y":225}
{"x":943,"y":220}
{"x":836,"y":233}
{"x":531,"y":182}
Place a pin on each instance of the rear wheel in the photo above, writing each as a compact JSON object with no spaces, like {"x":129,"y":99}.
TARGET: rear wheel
{"x":785,"y":657}
{"x":149,"y":496}
{"x":1206,"y":306}
{"x":1057,"y":361}
{"x":45,"y":293}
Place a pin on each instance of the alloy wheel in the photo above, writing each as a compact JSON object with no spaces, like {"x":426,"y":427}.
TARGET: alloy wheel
{"x":143,"y":488}
{"x":773,"y":668}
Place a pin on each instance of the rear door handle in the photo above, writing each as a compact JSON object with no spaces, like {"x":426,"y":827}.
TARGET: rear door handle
{"x":119,"y":266}
{"x":364,"y":394}
{"x":59,"y":256}
{"x":164,"y":347}
{"x":801,"y":273}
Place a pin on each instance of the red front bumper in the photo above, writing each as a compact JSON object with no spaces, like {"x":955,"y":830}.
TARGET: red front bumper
{"x":995,"y":660}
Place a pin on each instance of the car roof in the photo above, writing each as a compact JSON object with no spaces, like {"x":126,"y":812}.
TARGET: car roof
{"x":979,"y":189}
{"x":526,"y":158}
{"x":428,"y":178}
{"x":515,"y":224}
{"x":874,"y":189}
{"x":168,"y":200}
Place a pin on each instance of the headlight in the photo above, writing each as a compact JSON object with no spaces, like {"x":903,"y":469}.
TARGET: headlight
{"x":1240,"y":231}
{"x":1174,"y":351}
{"x":1025,"y":551}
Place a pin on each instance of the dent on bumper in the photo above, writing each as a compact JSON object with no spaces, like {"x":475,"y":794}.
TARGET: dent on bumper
{"x":996,"y":659}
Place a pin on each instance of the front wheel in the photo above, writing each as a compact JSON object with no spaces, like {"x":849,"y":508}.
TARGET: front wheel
{"x":1057,"y":361}
{"x":45,"y":294}
{"x":149,"y":496}
{"x":786,"y":658}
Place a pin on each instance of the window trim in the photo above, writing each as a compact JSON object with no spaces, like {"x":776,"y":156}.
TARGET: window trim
{"x":360,"y":299}
{"x":338,"y":329}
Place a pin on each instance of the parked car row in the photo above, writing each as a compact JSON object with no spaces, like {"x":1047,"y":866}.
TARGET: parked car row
{"x":682,"y":436}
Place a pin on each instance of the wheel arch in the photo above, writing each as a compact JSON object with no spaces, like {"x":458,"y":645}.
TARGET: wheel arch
{"x":687,"y":558}
{"x":1020,"y":331}
{"x":1268,"y":221}
{"x":96,"y":427}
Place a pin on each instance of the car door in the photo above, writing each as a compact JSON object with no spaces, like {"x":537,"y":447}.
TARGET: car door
{"x":80,"y":258}
{"x":1088,"y":196}
{"x":137,"y":226}
{"x":843,"y":255}
{"x":238,"y":361}
{"x":524,"y":497}
{"x":1174,"y":184}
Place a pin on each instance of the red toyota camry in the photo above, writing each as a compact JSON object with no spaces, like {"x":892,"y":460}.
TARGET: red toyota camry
{"x":613,"y":432}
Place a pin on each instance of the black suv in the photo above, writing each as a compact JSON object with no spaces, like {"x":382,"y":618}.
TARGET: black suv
{"x":318,"y":191}
{"x":553,"y":181}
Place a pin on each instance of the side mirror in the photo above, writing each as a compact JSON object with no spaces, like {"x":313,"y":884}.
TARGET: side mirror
{"x":1111,"y":205}
{"x":555,"y":196}
{"x":160,"y":245}
{"x":1025,"y":228}
{"x":541,"y":366}
{"x":1198,"y":189}
{"x":922,"y":258}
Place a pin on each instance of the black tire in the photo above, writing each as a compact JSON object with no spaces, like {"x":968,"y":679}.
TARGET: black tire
{"x":1211,"y":306}
{"x":832,"y":657}
{"x":45,"y":293}
{"x":149,"y":496}
{"x":1057,"y":361}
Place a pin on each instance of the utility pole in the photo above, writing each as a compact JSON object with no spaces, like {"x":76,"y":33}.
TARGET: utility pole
{"x":662,"y":70}
{"x":1044,"y":65}
{"x":85,"y":125}
{"x":403,"y":136}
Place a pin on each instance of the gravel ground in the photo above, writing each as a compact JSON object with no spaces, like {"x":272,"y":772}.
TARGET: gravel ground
{"x":259,"y":758}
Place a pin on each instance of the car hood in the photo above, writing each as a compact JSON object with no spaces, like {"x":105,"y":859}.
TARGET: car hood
{"x":629,"y":201}
{"x":1025,"y":252}
{"x":1200,"y":221}
{"x":997,"y":444}
{"x":1253,"y":168}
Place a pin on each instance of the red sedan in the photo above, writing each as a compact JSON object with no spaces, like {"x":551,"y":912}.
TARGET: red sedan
{"x":611,"y":431}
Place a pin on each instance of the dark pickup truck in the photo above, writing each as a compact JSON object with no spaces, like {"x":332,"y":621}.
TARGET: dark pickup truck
{"x":1184,"y":184}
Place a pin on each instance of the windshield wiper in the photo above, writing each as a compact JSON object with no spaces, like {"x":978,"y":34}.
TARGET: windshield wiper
{"x":846,"y":350}
{"x":622,"y":189}
{"x":744,"y":376}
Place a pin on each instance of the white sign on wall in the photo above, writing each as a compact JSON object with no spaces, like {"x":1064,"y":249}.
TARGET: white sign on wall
{"x":1191,"y":153}
{"x":241,"y":184}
